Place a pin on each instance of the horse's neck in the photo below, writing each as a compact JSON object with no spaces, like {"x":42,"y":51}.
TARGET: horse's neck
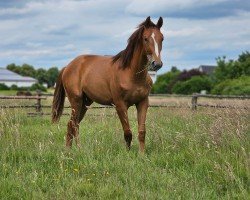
{"x":139,"y":66}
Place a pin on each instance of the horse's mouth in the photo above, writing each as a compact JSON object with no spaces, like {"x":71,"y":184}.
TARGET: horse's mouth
{"x":152,"y":65}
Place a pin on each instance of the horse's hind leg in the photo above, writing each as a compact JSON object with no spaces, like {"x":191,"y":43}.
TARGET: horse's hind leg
{"x":73,"y":125}
{"x":86,"y":102}
{"x":79,"y":108}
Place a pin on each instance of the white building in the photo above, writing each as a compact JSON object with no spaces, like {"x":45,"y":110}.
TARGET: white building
{"x":10,"y":78}
{"x":207,"y":69}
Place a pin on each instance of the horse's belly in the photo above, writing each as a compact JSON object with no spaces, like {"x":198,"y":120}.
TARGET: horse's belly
{"x":99,"y":94}
{"x":101,"y":100}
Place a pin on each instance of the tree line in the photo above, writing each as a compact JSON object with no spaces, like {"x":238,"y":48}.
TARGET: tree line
{"x":230,"y":77}
{"x":42,"y":75}
{"x":45,"y":77}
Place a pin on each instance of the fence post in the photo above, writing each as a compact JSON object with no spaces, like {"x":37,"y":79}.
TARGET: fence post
{"x":38,"y":104}
{"x":194,"y":101}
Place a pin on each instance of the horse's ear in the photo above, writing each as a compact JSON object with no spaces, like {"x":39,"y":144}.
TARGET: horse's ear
{"x":147,"y":22}
{"x":160,"y":23}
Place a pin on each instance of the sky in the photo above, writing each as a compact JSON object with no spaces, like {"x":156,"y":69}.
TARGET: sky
{"x":46,"y":33}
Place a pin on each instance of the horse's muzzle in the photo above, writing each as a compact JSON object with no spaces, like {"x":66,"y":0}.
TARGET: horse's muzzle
{"x":155,"y":66}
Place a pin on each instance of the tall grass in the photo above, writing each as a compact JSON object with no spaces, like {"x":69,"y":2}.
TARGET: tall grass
{"x":189,"y":155}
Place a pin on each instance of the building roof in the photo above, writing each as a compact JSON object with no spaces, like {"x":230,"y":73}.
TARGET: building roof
{"x":207,"y":69}
{"x":7,"y":75}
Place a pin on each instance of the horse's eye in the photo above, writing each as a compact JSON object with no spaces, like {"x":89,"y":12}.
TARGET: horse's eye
{"x":145,"y":39}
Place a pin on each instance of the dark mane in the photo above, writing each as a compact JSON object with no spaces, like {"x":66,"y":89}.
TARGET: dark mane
{"x":126,"y":55}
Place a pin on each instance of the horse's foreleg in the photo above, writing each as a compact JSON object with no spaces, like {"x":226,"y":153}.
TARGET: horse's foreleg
{"x":122,"y":112}
{"x":141,"y":117}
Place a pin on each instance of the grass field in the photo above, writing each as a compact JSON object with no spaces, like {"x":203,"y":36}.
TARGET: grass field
{"x":8,"y":92}
{"x":189,"y":155}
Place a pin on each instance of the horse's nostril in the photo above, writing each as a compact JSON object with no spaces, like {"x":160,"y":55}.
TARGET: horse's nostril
{"x":158,"y":64}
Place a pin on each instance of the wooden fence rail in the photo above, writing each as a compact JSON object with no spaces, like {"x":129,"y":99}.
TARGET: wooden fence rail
{"x":194,"y":102}
{"x":37,"y":106}
{"x":23,"y":97}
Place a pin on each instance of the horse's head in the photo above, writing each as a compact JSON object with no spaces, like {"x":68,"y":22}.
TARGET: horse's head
{"x":148,"y":38}
{"x":152,"y":42}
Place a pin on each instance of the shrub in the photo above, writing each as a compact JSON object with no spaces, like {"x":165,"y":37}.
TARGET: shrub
{"x":193,"y":85}
{"x":164,"y":81}
{"x":3,"y":87}
{"x":239,"y":86}
{"x":14,"y":87}
{"x":23,"y":88}
{"x":37,"y":86}
{"x":186,"y":75}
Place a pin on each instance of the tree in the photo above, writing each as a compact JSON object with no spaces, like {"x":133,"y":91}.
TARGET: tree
{"x":3,"y":87}
{"x":244,"y":56}
{"x":193,"y":85}
{"x":41,"y":75}
{"x":185,"y":75}
{"x":13,"y":67}
{"x":244,"y":60}
{"x":37,"y":86}
{"x":24,"y":70}
{"x":28,"y":70}
{"x":239,"y":86}
{"x":232,"y":69}
{"x":174,"y":69}
{"x":52,"y":75}
{"x":164,"y":80}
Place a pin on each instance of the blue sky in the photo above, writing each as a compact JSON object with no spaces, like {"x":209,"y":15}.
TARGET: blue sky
{"x":47,"y":33}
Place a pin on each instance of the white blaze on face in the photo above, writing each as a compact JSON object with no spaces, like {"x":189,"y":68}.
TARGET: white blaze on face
{"x":156,"y":45}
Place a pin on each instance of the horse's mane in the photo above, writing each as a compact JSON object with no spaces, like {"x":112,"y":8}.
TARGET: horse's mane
{"x":126,"y":55}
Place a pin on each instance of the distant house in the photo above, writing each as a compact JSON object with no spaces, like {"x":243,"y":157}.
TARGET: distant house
{"x":207,"y":69}
{"x":10,"y":78}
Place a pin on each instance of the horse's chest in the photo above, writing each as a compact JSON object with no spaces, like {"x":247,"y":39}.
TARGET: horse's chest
{"x":135,"y":93}
{"x":139,"y":92}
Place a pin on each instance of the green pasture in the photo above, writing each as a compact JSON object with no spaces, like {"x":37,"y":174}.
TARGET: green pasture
{"x":8,"y":92}
{"x":189,"y":155}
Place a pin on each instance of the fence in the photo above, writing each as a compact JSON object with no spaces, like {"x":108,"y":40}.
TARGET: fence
{"x":194,"y":102}
{"x":37,"y":105}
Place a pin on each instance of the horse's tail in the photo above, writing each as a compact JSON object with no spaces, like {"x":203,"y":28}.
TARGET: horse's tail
{"x":58,"y":100}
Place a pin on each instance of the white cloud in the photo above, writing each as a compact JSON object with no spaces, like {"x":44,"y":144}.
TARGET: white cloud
{"x":184,"y":32}
{"x":143,"y":8}
{"x":53,"y":32}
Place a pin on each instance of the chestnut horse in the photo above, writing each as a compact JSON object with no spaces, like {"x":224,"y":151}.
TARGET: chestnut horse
{"x":121,"y":80}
